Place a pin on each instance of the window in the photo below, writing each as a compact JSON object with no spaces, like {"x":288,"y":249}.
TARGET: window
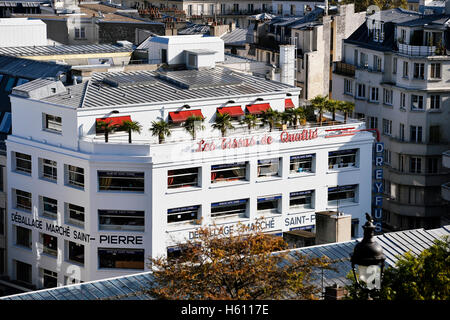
{"x":348,"y":86}
{"x":405,"y":69}
{"x":363,"y":61}
{"x":435,"y":102}
{"x":373,"y":94}
{"x":341,"y":159}
{"x":355,"y":57}
{"x":121,"y":220}
{"x":378,"y":31}
{"x":301,"y":199}
{"x":49,"y":169}
{"x":2,"y":222}
{"x":49,"y":207}
{"x":49,"y":279}
{"x":342,"y":193}
{"x":401,"y":163}
{"x":121,"y":181}
{"x":415,"y":134}
{"x":387,"y":127}
{"x":121,"y":258}
{"x":80,"y":33}
{"x":387,"y":96}
{"x":302,"y":163}
{"x":376,"y":63}
{"x":23,"y":272}
{"x":23,"y":237}
{"x":415,"y":165}
{"x":22,"y":200}
{"x":49,"y":244}
{"x":222,"y":8}
{"x":435,"y":134}
{"x":236,"y":7}
{"x":402,"y":132}
{"x":74,"y":176}
{"x":432,"y":165}
{"x":22,"y":162}
{"x":419,"y":70}
{"x":402,"y":100}
{"x":373,"y":123}
{"x":190,"y":213}
{"x":181,"y":178}
{"x":387,"y":156}
{"x":394,"y":66}
{"x":229,"y":172}
{"x":435,"y":70}
{"x":75,"y":252}
{"x":74,"y":214}
{"x":229,"y":208}
{"x":52,"y":123}
{"x":269,"y":167}
{"x":361,"y":90}
{"x":163,"y":55}
{"x":292,"y":9}
{"x":269,"y":204}
{"x":211,"y":9}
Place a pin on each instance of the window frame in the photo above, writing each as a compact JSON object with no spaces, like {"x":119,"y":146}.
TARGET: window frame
{"x":120,"y":176}
{"x":137,"y":215}
{"x":306,"y":194}
{"x":70,"y":174}
{"x":343,"y":189}
{"x":53,"y":166}
{"x":228,"y":167}
{"x":17,"y":156}
{"x":240,"y":204}
{"x":172,"y":174}
{"x":52,"y":125}
{"x":21,"y":207}
{"x":341,"y":154}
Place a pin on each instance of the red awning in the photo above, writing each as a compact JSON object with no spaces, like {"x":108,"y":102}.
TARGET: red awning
{"x":288,"y":104}
{"x":181,"y":116}
{"x":232,"y":111}
{"x":258,"y":108}
{"x":114,"y":120}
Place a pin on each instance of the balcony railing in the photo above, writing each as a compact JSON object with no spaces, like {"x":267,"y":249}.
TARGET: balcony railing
{"x":345,"y":69}
{"x":416,"y":51}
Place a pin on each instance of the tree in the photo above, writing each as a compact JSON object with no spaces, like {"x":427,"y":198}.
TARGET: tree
{"x":320,"y":103}
{"x":240,"y":266}
{"x":415,"y":277}
{"x":192,"y":124}
{"x":346,"y":107}
{"x":332,"y":106}
{"x":222,"y":122}
{"x":250,"y":120}
{"x":296,"y":115}
{"x":161,"y":129}
{"x":270,"y":117}
{"x":106,"y":127}
{"x":362,"y":5}
{"x":131,"y":126}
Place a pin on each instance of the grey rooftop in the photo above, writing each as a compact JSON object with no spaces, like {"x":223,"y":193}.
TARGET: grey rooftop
{"x":62,"y":50}
{"x":134,"y":286}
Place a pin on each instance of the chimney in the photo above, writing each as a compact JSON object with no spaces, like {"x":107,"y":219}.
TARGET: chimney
{"x":335,"y":292}
{"x":326,"y":8}
{"x":287,"y":64}
{"x":332,"y":226}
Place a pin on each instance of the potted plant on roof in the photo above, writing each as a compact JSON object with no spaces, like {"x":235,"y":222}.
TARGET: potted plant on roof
{"x":320,"y":103}
{"x":346,"y":107}
{"x":296,"y":115}
{"x":251,"y":121}
{"x":270,"y":117}
{"x":192,"y":124}
{"x":130,"y":126}
{"x":106,"y":127}
{"x":222,"y":122}
{"x":161,"y":129}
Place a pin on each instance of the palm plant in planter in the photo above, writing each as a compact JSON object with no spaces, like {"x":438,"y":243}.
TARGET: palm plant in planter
{"x":106,"y":127}
{"x":320,"y":103}
{"x":270,"y":117}
{"x":222,"y":122}
{"x":130,"y":126}
{"x":346,"y":107}
{"x":192,"y":124}
{"x":332,"y":106}
{"x":296,"y":115}
{"x":250,"y":120}
{"x":161,"y":129}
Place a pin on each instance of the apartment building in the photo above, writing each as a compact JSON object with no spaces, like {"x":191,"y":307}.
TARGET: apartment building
{"x":395,"y":69}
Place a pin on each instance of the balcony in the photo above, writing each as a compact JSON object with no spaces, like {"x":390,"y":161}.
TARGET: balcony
{"x":344,"y":69}
{"x":416,"y":51}
{"x":445,"y":191}
{"x":446,"y":159}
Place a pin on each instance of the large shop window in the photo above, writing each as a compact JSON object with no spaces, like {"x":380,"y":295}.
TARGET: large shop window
{"x":228,"y":172}
{"x":23,"y":200}
{"x":121,"y":220}
{"x":49,"y":244}
{"x":49,"y":279}
{"x":74,"y":214}
{"x":269,"y":167}
{"x":121,"y":258}
{"x":269,"y":204}
{"x":181,"y":178}
{"x":229,"y":208}
{"x":75,"y":252}
{"x":301,"y":199}
{"x":23,"y":272}
{"x":342,"y":194}
{"x":302,"y":163}
{"x":183,"y":214}
{"x":23,"y":162}
{"x":49,"y":169}
{"x":49,"y":207}
{"x":23,"y":237}
{"x":342,"y":159}
{"x":121,"y":181}
{"x":74,"y":176}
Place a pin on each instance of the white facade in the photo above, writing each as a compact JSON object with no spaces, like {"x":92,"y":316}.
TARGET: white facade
{"x":22,"y":32}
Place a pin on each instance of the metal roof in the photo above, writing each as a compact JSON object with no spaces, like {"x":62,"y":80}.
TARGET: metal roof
{"x":236,"y":37}
{"x":62,"y":49}
{"x":132,"y":286}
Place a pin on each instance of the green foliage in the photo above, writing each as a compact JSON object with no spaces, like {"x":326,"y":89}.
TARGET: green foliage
{"x":271,"y":117}
{"x":222,"y":123}
{"x":160,"y":129}
{"x":131,"y":126}
{"x":250,"y":120}
{"x":192,"y":124}
{"x":362,"y":5}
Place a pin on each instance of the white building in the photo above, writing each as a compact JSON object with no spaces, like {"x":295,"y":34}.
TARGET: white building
{"x":22,"y":32}
{"x":81,"y":209}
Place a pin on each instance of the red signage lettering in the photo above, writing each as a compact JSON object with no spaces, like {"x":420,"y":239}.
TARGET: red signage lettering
{"x":299,"y":136}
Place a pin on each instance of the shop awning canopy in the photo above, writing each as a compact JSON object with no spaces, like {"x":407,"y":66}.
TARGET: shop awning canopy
{"x":232,"y":111}
{"x":288,"y":104}
{"x":181,"y":116}
{"x":258,"y":108}
{"x":114,"y":120}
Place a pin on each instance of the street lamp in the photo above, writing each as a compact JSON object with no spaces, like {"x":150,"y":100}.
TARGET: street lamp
{"x":369,"y":258}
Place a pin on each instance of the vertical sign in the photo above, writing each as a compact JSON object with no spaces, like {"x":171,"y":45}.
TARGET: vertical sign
{"x":377,"y":191}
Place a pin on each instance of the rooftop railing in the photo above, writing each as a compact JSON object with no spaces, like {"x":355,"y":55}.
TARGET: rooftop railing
{"x":416,"y":51}
{"x":343,"y":68}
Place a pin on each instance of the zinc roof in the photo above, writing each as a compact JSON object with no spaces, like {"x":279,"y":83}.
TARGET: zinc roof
{"x":62,"y":50}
